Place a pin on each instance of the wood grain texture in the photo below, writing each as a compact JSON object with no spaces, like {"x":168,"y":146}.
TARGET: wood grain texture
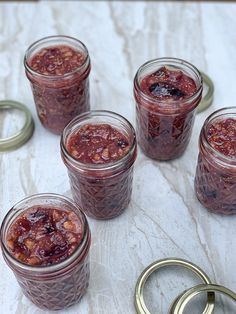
{"x":164,"y":218}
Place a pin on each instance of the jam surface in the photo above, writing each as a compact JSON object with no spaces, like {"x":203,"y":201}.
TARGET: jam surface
{"x":98,"y":144}
{"x":56,"y":60}
{"x":43,"y":236}
{"x":221,"y":135}
{"x":166,"y":84}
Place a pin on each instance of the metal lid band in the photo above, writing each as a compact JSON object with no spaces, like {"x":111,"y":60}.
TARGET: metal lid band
{"x":208,"y":97}
{"x":178,"y":307}
{"x":24,"y":134}
{"x":139,"y":299}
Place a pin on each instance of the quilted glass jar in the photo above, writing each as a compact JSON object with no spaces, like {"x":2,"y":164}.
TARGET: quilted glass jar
{"x":167,"y":92}
{"x":215,"y":179}
{"x":58,"y":285}
{"x":58,"y":69}
{"x":102,"y":190}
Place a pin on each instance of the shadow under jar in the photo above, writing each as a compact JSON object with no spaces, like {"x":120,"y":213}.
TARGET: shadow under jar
{"x":215,"y":179}
{"x":58,"y":69}
{"x":45,"y":241}
{"x":167,"y":92}
{"x":99,"y":150}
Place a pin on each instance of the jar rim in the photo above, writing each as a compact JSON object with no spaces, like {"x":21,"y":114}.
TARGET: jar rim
{"x":50,"y":268}
{"x":214,"y":115}
{"x":105,"y":166}
{"x":168,"y":61}
{"x":85,"y":64}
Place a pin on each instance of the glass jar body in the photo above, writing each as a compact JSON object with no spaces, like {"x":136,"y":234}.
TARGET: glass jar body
{"x":102,"y":191}
{"x":60,"y":98}
{"x":59,"y":285}
{"x":164,"y":128}
{"x":215,"y":178}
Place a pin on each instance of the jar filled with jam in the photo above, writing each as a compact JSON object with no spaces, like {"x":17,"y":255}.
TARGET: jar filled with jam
{"x":99,"y":150}
{"x":45,"y":240}
{"x":58,"y":69}
{"x":167,"y":92}
{"x":215,"y":179}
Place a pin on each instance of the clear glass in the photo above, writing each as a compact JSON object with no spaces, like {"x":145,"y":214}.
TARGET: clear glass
{"x":215,"y":179}
{"x":103,"y":191}
{"x":164,"y":128}
{"x":59,"y":285}
{"x":59,"y":98}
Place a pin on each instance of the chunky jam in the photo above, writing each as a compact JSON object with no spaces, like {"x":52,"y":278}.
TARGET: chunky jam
{"x":59,"y":81}
{"x":215,"y":180}
{"x":102,"y":192}
{"x":98,"y":144}
{"x":43,"y":236}
{"x":221,"y":135}
{"x":165,"y":118}
{"x":57,"y":60}
{"x":166,"y":84}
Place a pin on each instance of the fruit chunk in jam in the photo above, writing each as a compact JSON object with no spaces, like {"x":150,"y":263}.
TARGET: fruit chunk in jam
{"x":98,"y":144}
{"x":59,"y":81}
{"x":43,"y":236}
{"x":222,"y":136}
{"x":164,"y":114}
{"x":166,"y":84}
{"x":57,"y":60}
{"x":215,"y":180}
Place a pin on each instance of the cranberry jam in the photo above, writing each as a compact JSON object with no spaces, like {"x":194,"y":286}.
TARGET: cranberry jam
{"x":98,"y":144}
{"x":44,"y":235}
{"x":215,"y":179}
{"x":167,"y":92}
{"x":58,"y":68}
{"x":45,"y":240}
{"x":99,"y":150}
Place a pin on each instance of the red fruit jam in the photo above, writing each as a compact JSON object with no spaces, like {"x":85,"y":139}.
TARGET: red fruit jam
{"x":45,"y":240}
{"x":98,"y":144}
{"x":58,"y":69}
{"x":215,"y":180}
{"x":99,"y":149}
{"x":167,"y":92}
{"x":44,"y":236}
{"x":221,"y":136}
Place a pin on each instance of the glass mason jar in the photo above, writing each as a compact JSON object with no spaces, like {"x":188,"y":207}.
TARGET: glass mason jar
{"x":164,"y":126}
{"x":60,"y":96}
{"x":59,"y":285}
{"x":102,"y":190}
{"x":215,"y":179}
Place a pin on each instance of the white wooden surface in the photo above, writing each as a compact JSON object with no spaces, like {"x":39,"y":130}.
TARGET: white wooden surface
{"x":164,"y":218}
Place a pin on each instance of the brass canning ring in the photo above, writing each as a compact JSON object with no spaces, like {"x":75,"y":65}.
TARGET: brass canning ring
{"x":182,"y":301}
{"x":208,"y":97}
{"x":24,"y":134}
{"x":139,"y":288}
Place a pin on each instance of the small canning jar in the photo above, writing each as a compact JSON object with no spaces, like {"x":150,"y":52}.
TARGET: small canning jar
{"x":215,"y":179}
{"x":104,"y":190}
{"x":54,"y":286}
{"x":58,"y":69}
{"x":167,"y":92}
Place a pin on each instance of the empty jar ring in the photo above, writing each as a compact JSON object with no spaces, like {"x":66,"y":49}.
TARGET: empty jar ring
{"x":139,"y":299}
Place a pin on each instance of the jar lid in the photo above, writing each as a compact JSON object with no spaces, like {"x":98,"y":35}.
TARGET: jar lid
{"x":139,"y":299}
{"x":208,"y":92}
{"x":180,"y":304}
{"x":24,"y":134}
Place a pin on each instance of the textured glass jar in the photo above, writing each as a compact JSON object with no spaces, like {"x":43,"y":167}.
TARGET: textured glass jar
{"x":164,"y":127}
{"x":59,"y":98}
{"x":215,"y":179}
{"x":103,"y":191}
{"x":59,"y":285}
